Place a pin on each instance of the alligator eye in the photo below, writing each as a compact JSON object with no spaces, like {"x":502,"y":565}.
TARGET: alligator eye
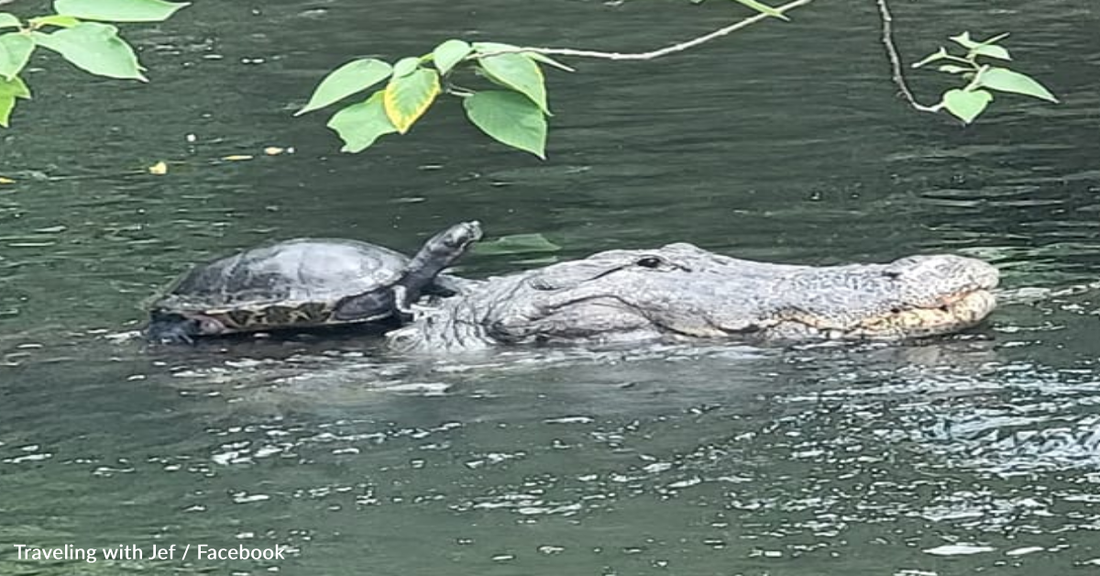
{"x":649,"y":262}
{"x":895,"y":310}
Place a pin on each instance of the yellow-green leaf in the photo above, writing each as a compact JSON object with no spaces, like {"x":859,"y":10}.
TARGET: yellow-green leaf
{"x":10,"y":90}
{"x":7,"y":103}
{"x":58,"y":20}
{"x":15,"y":88}
{"x":406,"y":98}
{"x":359,"y":125}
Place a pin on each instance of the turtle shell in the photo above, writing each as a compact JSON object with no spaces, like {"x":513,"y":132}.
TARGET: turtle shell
{"x":294,"y":283}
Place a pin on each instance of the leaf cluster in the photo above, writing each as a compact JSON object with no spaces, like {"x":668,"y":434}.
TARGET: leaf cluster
{"x":77,"y":31}
{"x":511,"y":109}
{"x":969,"y":101}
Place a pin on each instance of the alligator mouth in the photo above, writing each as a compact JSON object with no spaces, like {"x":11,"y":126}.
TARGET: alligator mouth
{"x":949,"y":314}
{"x":953,"y":313}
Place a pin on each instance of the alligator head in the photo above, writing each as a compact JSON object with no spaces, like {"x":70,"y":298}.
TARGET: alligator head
{"x":682,"y":291}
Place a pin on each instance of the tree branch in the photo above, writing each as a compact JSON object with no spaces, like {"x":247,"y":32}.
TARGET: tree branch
{"x":650,"y":55}
{"x":895,"y":59}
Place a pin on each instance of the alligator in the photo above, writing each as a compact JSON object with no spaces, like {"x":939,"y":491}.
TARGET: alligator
{"x":681,"y":291}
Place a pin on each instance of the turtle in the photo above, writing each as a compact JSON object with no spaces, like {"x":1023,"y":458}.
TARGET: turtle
{"x":305,"y":283}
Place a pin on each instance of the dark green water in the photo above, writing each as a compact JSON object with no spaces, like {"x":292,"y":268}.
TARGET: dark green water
{"x":784,"y":142}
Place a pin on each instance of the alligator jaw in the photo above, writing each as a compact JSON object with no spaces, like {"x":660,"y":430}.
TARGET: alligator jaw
{"x":953,"y":313}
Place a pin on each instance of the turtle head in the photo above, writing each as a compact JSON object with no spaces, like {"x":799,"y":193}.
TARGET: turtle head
{"x":439,"y":252}
{"x":454,"y":241}
{"x":443,"y":249}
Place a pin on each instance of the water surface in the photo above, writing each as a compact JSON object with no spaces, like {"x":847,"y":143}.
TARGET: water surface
{"x":784,"y":142}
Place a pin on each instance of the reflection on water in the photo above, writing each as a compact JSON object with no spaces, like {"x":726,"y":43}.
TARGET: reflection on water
{"x":978,"y":451}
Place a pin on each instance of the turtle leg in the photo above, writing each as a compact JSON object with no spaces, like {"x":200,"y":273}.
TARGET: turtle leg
{"x":406,"y":309}
{"x":178,"y":329}
{"x":373,"y":305}
{"x":401,"y":300}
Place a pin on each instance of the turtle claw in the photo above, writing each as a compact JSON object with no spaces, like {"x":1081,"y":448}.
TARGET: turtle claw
{"x":170,"y":330}
{"x":401,"y":302}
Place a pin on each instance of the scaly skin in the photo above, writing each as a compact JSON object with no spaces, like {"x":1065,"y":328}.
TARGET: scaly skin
{"x":682,"y":291}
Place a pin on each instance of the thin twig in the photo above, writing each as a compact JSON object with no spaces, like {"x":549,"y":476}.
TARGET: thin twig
{"x":895,"y":59}
{"x":650,"y":55}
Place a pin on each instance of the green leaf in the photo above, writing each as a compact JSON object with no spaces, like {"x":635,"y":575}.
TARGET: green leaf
{"x":405,"y":66}
{"x":15,"y":88}
{"x":937,"y":55}
{"x":95,"y":48}
{"x":449,"y":53}
{"x":764,"y":9}
{"x":359,"y":125}
{"x":118,"y":10}
{"x":953,"y":69}
{"x":10,"y":90}
{"x":406,"y":98}
{"x":55,"y":20}
{"x":985,"y":48}
{"x":518,"y":72}
{"x":510,"y":118}
{"x":964,"y":40}
{"x":15,"y":51}
{"x":7,"y":104}
{"x":355,"y":76}
{"x":966,"y":104}
{"x":516,"y":244}
{"x":495,"y":47}
{"x":1007,"y":80}
{"x":990,"y":50}
{"x":9,"y":21}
